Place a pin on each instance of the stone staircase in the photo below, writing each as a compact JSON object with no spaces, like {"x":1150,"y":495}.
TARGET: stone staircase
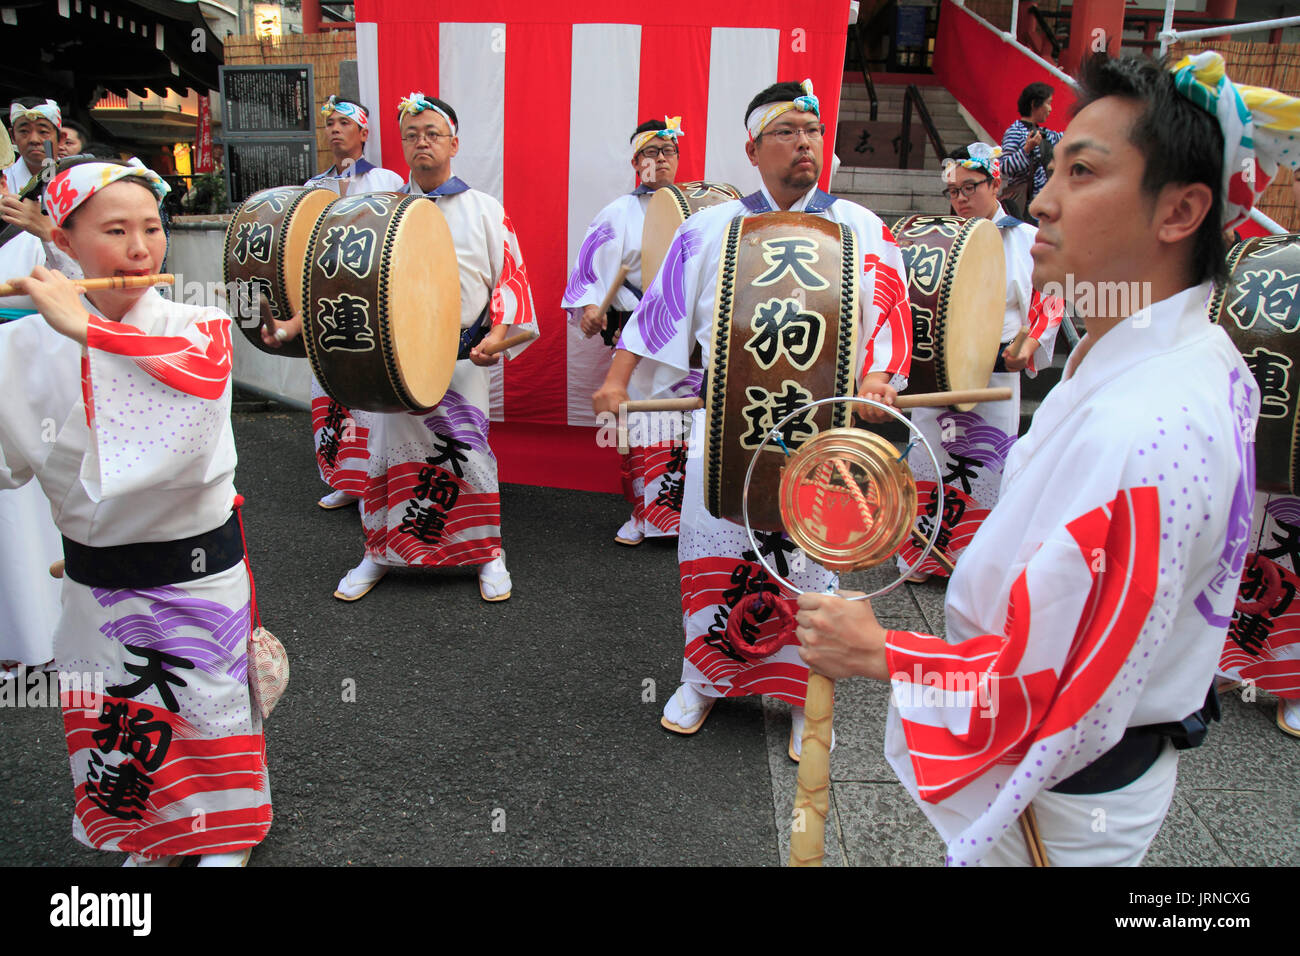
{"x":894,"y":193}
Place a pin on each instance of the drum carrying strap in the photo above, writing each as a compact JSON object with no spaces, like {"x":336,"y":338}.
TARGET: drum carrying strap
{"x":475,"y":334}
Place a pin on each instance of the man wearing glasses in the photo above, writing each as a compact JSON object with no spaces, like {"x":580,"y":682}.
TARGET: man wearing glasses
{"x":613,"y":241}
{"x":970,"y":455}
{"x":431,"y":497}
{"x":676,"y":318}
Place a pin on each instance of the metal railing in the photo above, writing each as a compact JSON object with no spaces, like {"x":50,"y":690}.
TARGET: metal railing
{"x":1168,"y":35}
{"x":913,"y":95}
{"x":1009,"y":37}
{"x":855,"y":37}
{"x":1048,"y":31}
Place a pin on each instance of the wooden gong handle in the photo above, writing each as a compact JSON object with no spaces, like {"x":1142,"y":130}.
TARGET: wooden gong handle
{"x":812,"y":795}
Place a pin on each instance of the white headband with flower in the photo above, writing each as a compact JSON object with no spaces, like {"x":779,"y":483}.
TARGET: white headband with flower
{"x":762,"y":116}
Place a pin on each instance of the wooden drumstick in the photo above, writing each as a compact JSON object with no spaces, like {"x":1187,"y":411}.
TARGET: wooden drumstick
{"x":110,"y":282}
{"x":945,"y":562}
{"x":813,"y":791}
{"x":1019,"y":340}
{"x":650,"y":405}
{"x":609,"y":296}
{"x":940,"y":399}
{"x":519,"y":338}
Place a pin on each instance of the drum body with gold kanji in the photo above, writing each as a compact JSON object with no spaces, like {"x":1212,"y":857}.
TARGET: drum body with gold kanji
{"x":785,"y":334}
{"x":381,"y":302}
{"x":265,"y":250}
{"x":1259,"y":308}
{"x":956,"y":284}
{"x":669,"y":207}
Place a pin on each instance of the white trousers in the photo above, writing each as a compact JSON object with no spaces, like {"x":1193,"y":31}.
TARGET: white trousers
{"x":1097,"y":829}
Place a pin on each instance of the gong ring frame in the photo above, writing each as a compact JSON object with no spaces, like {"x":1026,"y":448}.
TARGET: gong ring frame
{"x":775,"y":431}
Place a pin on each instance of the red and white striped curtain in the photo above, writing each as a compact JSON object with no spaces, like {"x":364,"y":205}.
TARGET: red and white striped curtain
{"x":548,"y":93}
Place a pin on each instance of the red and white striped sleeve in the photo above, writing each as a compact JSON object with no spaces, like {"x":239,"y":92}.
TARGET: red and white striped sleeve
{"x":512,"y":296}
{"x":157,"y":405}
{"x":887,"y":321}
{"x":197,"y":363}
{"x":1075,"y":613}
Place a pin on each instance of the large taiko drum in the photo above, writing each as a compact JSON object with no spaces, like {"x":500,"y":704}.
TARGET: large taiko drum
{"x":381,"y":302}
{"x":784,"y":334}
{"x":1259,"y":308}
{"x":266,"y":246}
{"x":668,"y":208}
{"x":957,"y":286}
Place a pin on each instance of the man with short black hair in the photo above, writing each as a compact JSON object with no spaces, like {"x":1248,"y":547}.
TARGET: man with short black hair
{"x":652,"y":475}
{"x":1086,"y":618}
{"x":675,"y":319}
{"x":34,"y":122}
{"x":74,"y":139}
{"x":341,"y":462}
{"x":348,"y":126}
{"x":431,"y":497}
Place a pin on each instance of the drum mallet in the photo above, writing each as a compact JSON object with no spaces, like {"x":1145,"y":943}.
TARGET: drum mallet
{"x":519,"y":338}
{"x":609,"y":296}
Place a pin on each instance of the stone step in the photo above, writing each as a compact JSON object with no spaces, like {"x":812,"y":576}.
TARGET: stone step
{"x":940,"y":121}
{"x":893,"y":206}
{"x":859,"y":179}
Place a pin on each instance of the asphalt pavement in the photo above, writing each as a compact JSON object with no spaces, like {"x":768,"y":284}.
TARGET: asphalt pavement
{"x":425,"y":726}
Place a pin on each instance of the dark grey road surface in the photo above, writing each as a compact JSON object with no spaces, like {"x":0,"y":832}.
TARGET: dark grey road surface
{"x":480,"y":733}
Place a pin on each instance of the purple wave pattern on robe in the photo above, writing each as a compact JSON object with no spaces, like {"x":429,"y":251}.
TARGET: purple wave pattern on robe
{"x":690,"y":385}
{"x":171,"y":625}
{"x":978,"y":439}
{"x":1284,"y":508}
{"x":460,"y":419}
{"x":584,"y":273}
{"x":1216,"y":600}
{"x":664,"y":307}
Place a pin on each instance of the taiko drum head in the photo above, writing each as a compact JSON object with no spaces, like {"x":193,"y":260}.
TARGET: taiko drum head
{"x":669,"y":207}
{"x":382,"y":302}
{"x":956,"y":283}
{"x":265,"y":252}
{"x":785,"y":334}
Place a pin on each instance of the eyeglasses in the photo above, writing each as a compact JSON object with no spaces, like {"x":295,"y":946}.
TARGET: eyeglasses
{"x":654,"y":152}
{"x":967,"y":189}
{"x":786,"y":135}
{"x":411,"y":137}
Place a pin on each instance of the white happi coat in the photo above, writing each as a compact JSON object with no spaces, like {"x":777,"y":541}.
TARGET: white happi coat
{"x":972,"y":446}
{"x":29,"y":596}
{"x":1096,"y":595}
{"x":652,"y":472}
{"x":362,"y":177}
{"x":131,"y":442}
{"x":17,"y":175}
{"x":676,"y":317}
{"x":431,"y":494}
